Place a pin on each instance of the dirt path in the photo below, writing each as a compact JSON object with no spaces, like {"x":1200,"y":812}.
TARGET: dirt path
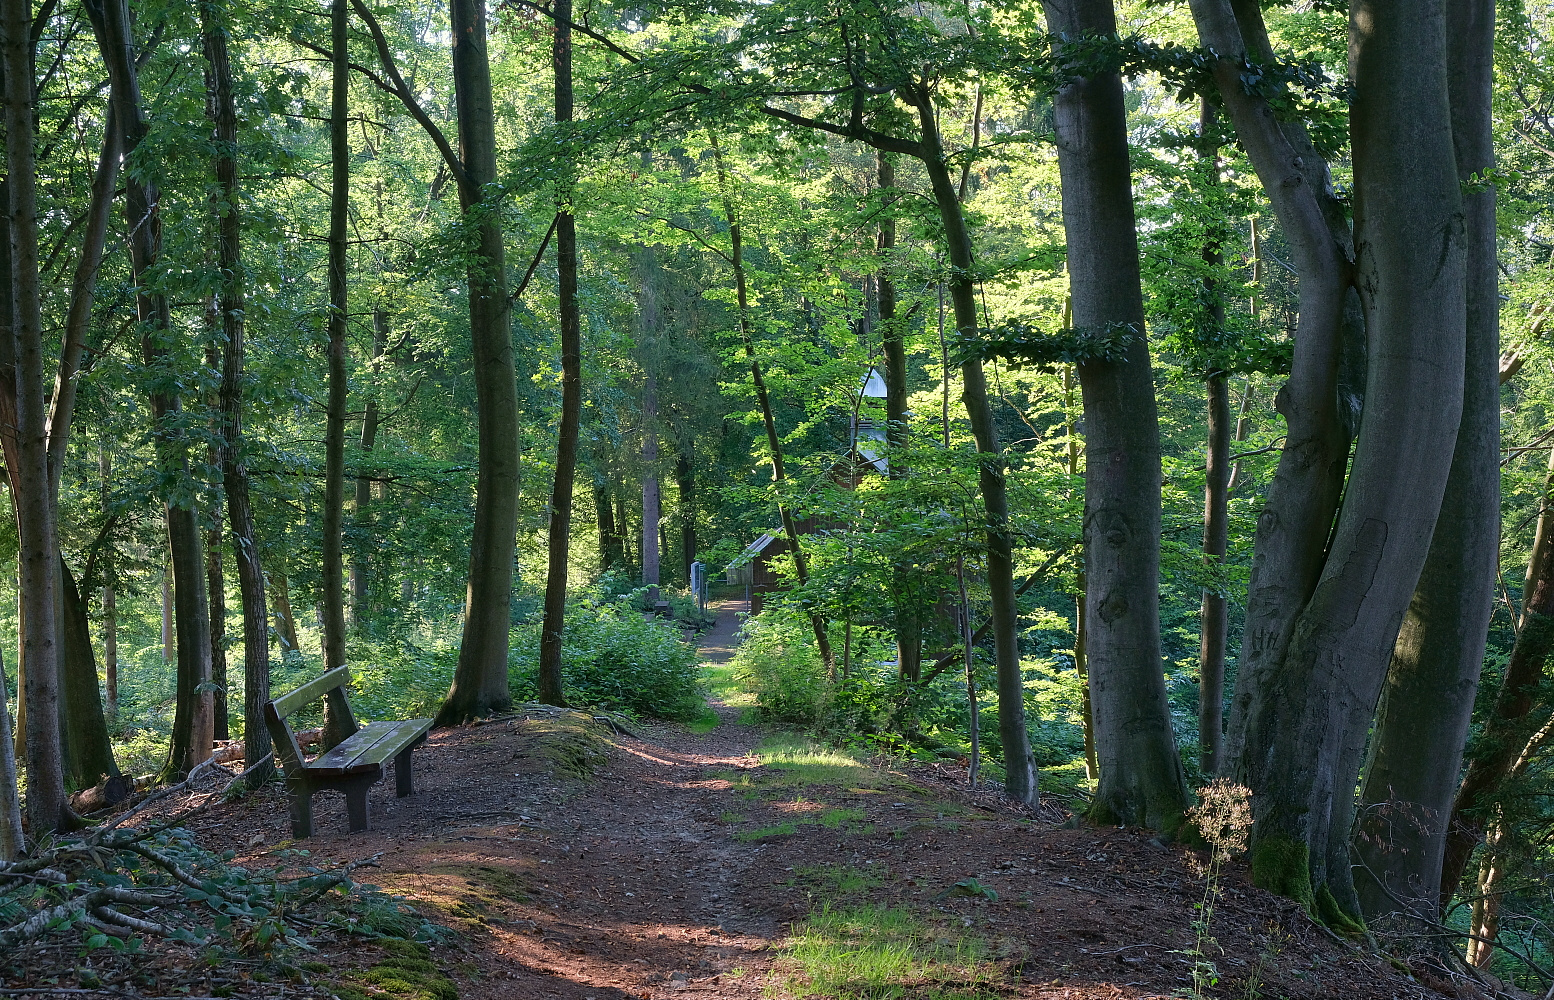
{"x":680,"y":865}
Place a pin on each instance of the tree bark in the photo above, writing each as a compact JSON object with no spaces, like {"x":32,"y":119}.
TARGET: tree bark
{"x":1141,"y":778}
{"x":1427,"y":703}
{"x":611,"y":553}
{"x":88,"y":753}
{"x":1081,"y":626}
{"x":685,"y":481}
{"x":553,"y":623}
{"x":480,"y":684}
{"x":908,"y":612}
{"x":1409,"y":235}
{"x":361,"y":558}
{"x":652,"y":493}
{"x":193,"y":716}
{"x":339,"y":312}
{"x":285,"y":621}
{"x":1293,"y":531}
{"x":12,"y":840}
{"x":764,"y":399}
{"x":1019,"y":765}
{"x":1213,"y":619}
{"x":38,"y":553}
{"x":216,"y":588}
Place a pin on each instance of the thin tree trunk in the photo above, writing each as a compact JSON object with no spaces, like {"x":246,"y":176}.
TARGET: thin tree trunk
{"x":1427,"y":703}
{"x":763,"y":398}
{"x":334,"y":426}
{"x":110,"y":602}
{"x":1141,"y":778}
{"x":285,"y":622}
{"x":1081,"y":626}
{"x":908,"y":610}
{"x":623,"y":531}
{"x":685,"y":480}
{"x":11,"y":838}
{"x":480,"y":684}
{"x":192,"y":720}
{"x":1213,"y":619}
{"x":610,"y":552}
{"x":47,"y":810}
{"x":361,"y":558}
{"x":169,"y":647}
{"x":652,"y":497}
{"x":216,"y":585}
{"x":553,"y":623}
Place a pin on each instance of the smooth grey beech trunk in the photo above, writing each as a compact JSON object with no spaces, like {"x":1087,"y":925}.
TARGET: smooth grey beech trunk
{"x":1409,"y":238}
{"x":1141,"y":779}
{"x":1427,"y":704}
{"x":480,"y":684}
{"x":12,"y":839}
{"x":559,"y":542}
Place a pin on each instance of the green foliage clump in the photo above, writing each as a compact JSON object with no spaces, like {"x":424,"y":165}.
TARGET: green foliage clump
{"x":406,"y":974}
{"x":614,"y":658}
{"x":778,"y":662}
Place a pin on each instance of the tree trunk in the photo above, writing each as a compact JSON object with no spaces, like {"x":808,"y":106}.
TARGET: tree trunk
{"x":480,"y":684}
{"x":1019,"y":765}
{"x":1081,"y":626}
{"x":1141,"y":774}
{"x":169,"y":647}
{"x":1427,"y":703}
{"x":285,"y":622}
{"x":685,"y":480}
{"x":611,"y":554}
{"x":908,"y":610}
{"x":38,"y":555}
{"x":652,"y":496}
{"x":361,"y":558}
{"x":1407,"y":197}
{"x":1293,"y":532}
{"x":553,"y":624}
{"x":11,"y":839}
{"x":88,"y":753}
{"x":192,"y":720}
{"x":339,"y":312}
{"x":623,"y":530}
{"x":110,"y":602}
{"x":216,"y":587}
{"x":1216,"y":541}
{"x":763,"y":398}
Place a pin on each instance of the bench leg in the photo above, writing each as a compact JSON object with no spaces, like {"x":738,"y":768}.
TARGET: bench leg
{"x":301,"y":800}
{"x":356,"y":804}
{"x":402,"y":773}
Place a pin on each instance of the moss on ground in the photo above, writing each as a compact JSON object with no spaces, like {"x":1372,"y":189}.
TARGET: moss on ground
{"x":405,"y":973}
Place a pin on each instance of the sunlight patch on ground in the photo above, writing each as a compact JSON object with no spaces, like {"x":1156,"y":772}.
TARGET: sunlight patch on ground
{"x":724,"y":686}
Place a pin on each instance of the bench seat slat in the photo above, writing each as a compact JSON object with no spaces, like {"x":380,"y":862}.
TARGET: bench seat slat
{"x":369,"y":748}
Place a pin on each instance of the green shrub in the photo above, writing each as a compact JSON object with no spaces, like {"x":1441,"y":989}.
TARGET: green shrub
{"x":614,"y":658}
{"x":778,"y":663}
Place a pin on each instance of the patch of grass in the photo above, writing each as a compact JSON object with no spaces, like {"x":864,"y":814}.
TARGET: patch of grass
{"x":723,"y":684}
{"x":780,"y":830}
{"x":704,"y":723}
{"x":803,"y":762}
{"x":832,"y":880}
{"x":732,"y":817}
{"x":882,"y":952}
{"x":835,"y":819}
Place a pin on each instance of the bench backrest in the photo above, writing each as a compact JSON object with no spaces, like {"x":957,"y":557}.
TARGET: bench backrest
{"x":340,"y":723}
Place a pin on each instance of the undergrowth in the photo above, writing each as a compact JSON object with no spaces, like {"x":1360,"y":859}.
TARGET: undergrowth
{"x":881,"y":952}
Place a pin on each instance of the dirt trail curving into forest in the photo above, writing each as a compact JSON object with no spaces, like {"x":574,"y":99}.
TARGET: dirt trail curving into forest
{"x":580,"y":863}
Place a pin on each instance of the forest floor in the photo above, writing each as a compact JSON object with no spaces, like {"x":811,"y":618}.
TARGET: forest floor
{"x":572,"y":861}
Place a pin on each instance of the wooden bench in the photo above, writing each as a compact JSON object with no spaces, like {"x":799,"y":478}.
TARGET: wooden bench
{"x":353,"y":760}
